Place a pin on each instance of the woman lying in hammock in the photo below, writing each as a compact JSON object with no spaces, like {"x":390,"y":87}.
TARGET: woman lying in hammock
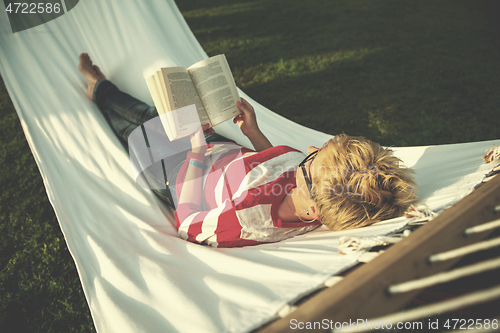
{"x":238,"y":196}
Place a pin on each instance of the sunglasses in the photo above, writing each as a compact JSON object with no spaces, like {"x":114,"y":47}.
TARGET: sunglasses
{"x":302,"y":165}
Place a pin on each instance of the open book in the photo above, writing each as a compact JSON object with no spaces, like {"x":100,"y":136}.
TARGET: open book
{"x":185,"y":97}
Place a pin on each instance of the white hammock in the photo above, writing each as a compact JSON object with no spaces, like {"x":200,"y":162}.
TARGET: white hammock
{"x":137,"y":275}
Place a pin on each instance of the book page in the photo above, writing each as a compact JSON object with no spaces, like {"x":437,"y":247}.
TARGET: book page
{"x":186,"y":120}
{"x":154,"y":87}
{"x":214,"y":82}
{"x":180,"y":92}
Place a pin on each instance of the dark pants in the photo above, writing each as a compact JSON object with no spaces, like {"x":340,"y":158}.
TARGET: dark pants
{"x":127,"y":116}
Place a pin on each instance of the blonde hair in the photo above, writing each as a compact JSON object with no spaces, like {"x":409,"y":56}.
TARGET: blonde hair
{"x":360,"y":183}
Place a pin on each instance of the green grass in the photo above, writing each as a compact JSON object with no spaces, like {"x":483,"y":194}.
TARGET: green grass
{"x":39,"y":287}
{"x":401,"y":73}
{"x":398,"y":72}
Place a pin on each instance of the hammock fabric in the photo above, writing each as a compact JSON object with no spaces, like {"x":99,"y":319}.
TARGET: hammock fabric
{"x":137,"y":275}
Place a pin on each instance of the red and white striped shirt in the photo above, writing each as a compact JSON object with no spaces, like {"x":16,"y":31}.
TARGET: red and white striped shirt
{"x":242,"y":193}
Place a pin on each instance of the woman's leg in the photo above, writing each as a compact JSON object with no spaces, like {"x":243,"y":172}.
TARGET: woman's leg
{"x":125,"y":113}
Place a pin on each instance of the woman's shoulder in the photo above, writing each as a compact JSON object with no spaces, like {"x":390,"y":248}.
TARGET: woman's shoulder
{"x":233,"y":152}
{"x":286,"y":149}
{"x":277,"y":155}
{"x":283,"y":151}
{"x":242,"y":150}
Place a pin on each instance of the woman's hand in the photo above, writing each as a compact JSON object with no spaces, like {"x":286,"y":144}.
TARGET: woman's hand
{"x":247,"y":120}
{"x":198,"y":143}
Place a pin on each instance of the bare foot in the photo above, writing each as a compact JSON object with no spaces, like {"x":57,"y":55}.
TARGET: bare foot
{"x":91,"y":72}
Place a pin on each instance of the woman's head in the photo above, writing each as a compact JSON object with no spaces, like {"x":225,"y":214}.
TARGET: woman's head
{"x":357,"y":182}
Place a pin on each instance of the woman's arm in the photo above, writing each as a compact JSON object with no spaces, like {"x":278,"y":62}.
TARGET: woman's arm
{"x":247,"y":121}
{"x":259,"y":141}
{"x":192,"y":189}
